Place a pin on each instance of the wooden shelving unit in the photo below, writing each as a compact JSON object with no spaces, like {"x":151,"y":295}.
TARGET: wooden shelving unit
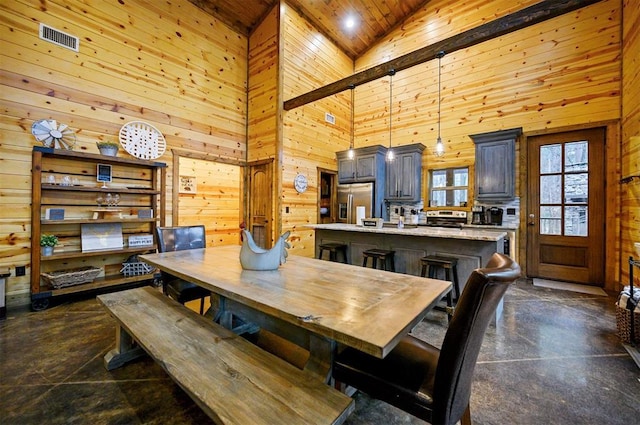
{"x":140,"y":185}
{"x":632,"y":347}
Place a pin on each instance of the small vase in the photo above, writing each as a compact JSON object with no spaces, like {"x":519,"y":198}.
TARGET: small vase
{"x":47,"y":251}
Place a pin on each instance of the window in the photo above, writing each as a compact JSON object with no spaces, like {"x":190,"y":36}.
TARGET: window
{"x":448,"y":187}
{"x":564,"y":189}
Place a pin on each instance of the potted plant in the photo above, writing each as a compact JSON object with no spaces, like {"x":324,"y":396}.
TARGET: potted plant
{"x":108,"y":148}
{"x":47,"y":242}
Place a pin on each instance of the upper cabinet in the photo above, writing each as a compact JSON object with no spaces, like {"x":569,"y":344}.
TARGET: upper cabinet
{"x":367,"y":164}
{"x":403,"y":176}
{"x":495,"y":164}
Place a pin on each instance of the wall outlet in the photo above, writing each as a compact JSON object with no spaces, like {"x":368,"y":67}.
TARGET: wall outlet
{"x":511,"y":211}
{"x":20,"y":271}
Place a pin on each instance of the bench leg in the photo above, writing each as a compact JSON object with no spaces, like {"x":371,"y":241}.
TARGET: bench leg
{"x":126,"y":350}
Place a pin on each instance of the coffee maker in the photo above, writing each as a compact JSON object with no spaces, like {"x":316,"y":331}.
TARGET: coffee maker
{"x":477,"y":215}
{"x":495,"y":216}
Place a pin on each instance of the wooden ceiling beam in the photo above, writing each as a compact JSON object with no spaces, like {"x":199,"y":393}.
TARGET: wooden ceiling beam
{"x":539,"y":12}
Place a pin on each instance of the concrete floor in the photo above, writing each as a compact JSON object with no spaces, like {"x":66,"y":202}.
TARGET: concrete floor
{"x":554,"y":358}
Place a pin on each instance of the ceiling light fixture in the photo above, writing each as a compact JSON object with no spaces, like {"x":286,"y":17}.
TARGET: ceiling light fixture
{"x":350,"y":154}
{"x":439,"y":150}
{"x":350,"y":22}
{"x":392,"y":72}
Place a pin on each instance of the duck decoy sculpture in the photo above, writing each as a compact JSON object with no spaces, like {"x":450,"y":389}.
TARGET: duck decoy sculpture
{"x":253,"y":257}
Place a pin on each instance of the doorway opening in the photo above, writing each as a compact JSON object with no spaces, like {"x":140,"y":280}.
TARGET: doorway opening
{"x":208,"y":191}
{"x":327,"y":200}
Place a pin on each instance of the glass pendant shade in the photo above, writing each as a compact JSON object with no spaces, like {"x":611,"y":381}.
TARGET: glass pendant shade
{"x":439,"y":147}
{"x":390,"y":155}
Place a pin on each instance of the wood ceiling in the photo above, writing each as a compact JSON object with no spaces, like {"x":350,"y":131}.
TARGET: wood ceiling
{"x":376,"y":17}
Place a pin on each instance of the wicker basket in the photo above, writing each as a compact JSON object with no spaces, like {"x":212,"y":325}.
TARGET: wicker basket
{"x":70,"y":277}
{"x":623,"y":322}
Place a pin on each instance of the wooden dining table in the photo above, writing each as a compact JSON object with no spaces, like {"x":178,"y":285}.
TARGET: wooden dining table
{"x":318,"y":305}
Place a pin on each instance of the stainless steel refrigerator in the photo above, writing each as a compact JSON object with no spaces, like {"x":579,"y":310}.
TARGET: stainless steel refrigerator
{"x":355,"y":195}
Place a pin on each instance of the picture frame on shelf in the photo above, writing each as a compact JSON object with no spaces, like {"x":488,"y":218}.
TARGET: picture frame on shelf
{"x":101,"y":236}
{"x":145,"y":213}
{"x":54,"y":214}
{"x":140,"y":240}
{"x":103,"y":174}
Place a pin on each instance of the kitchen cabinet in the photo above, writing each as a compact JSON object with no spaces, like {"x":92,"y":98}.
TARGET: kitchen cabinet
{"x":367,"y":164}
{"x":404,"y":174}
{"x":495,"y":165}
{"x":99,"y":224}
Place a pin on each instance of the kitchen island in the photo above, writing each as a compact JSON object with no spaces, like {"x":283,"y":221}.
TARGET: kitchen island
{"x":472,"y":247}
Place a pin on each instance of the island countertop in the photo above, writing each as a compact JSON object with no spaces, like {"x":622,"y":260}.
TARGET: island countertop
{"x":472,"y":248}
{"x":425,"y":231}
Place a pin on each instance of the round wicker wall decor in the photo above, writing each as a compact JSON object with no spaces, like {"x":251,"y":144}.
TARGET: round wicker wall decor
{"x":142,"y":140}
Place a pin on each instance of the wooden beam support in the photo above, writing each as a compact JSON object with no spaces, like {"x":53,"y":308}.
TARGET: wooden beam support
{"x":531,"y":15}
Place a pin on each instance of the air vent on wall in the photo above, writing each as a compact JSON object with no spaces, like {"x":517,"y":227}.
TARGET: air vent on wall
{"x":331,"y":119}
{"x":60,"y":38}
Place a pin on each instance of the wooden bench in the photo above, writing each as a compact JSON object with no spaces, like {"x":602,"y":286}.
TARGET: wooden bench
{"x":232,"y":380}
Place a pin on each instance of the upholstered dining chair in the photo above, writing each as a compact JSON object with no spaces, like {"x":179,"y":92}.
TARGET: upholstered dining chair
{"x":430,"y":383}
{"x":177,"y":239}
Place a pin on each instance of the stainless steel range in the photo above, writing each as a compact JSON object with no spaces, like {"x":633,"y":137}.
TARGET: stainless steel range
{"x":446,"y":218}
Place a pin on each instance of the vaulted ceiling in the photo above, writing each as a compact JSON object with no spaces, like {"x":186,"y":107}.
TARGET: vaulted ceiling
{"x":373,"y":18}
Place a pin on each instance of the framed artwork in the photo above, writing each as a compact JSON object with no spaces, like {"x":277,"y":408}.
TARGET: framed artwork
{"x":101,"y":236}
{"x":188,"y":184}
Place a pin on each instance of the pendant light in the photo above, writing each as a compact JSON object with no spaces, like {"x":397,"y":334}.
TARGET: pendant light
{"x":351,"y":154}
{"x":439,"y":150}
{"x":392,"y":72}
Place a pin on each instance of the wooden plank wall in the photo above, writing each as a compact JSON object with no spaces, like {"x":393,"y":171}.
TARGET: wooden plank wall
{"x":555,"y":74}
{"x":263,"y":89}
{"x":217,"y":201}
{"x":630,"y":192}
{"x":166,"y":63}
{"x":309,"y":61}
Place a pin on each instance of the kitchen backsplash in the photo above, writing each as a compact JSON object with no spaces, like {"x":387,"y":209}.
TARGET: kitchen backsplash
{"x":396,"y":210}
{"x":511,"y":220}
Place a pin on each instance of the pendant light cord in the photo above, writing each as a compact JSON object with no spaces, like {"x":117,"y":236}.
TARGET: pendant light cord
{"x":391,"y":74}
{"x":390,"y":108}
{"x":440,"y":54}
{"x":352,"y":87}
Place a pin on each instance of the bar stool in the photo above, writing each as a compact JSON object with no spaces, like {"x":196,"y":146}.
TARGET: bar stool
{"x":431,"y":264}
{"x":334,"y":249}
{"x":385,"y":256}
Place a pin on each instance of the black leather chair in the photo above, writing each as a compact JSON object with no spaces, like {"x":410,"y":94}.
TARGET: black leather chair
{"x":178,"y":239}
{"x":431,"y":384}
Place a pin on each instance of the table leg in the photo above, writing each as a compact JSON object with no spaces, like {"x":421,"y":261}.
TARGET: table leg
{"x":321,"y":354}
{"x":321,"y":349}
{"x":126,"y":349}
